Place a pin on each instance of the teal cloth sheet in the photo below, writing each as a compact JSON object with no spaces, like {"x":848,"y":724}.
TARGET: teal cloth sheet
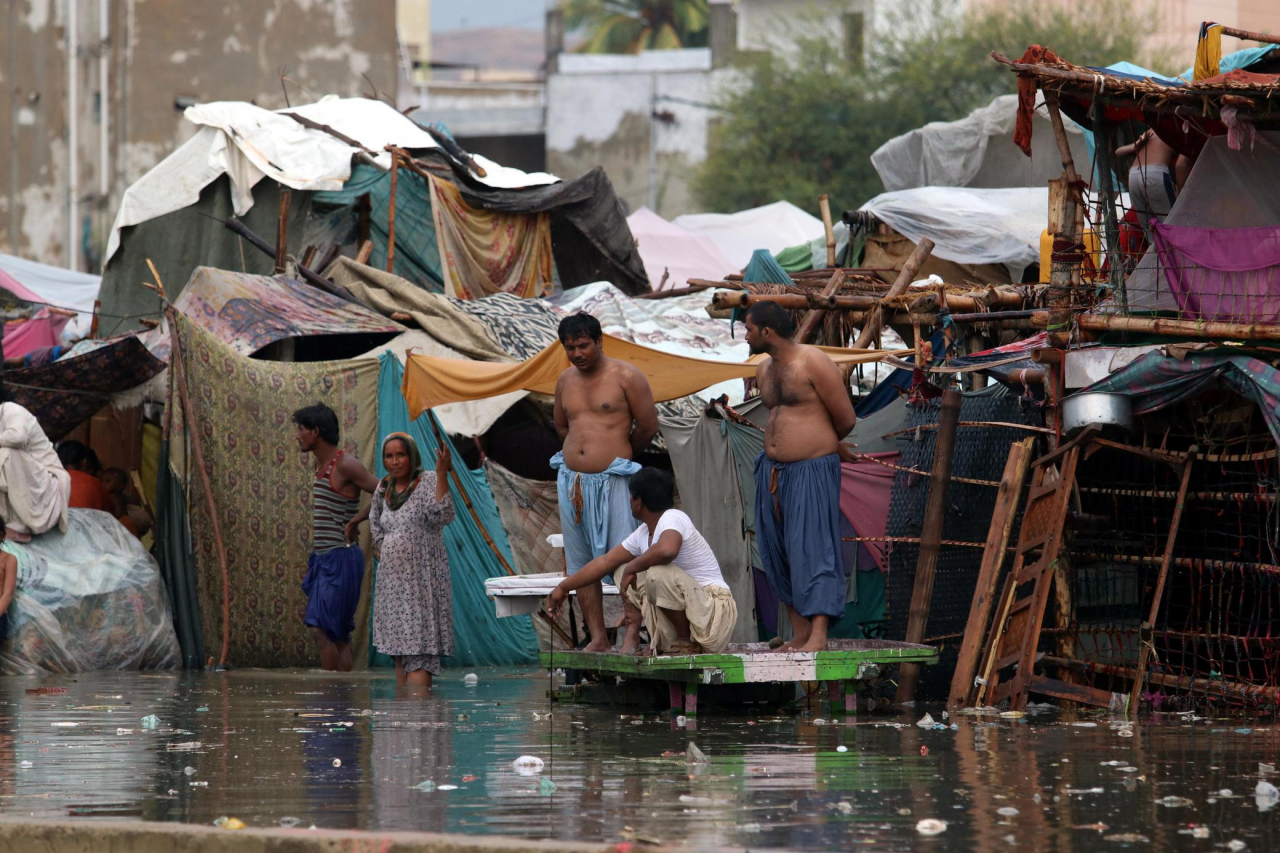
{"x":480,"y":638}
{"x":417,"y":253}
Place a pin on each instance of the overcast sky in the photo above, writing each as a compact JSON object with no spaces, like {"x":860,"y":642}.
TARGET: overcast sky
{"x":455,"y":14}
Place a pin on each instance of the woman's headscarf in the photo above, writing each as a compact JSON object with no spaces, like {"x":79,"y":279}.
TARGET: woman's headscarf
{"x":395,"y":499}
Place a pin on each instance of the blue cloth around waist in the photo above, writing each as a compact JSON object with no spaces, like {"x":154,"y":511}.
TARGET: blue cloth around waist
{"x":604,"y":518}
{"x":332,"y":587}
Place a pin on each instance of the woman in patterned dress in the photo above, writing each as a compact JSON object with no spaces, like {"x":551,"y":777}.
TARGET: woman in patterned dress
{"x":413,"y":597}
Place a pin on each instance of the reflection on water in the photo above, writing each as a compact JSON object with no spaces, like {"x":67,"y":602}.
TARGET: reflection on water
{"x":276,"y":748}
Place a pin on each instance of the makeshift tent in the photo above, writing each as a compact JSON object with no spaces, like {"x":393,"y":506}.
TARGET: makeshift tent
{"x":970,"y":226}
{"x":219,"y":172}
{"x":1229,"y":195}
{"x":55,"y":287}
{"x":672,"y":255}
{"x":773,"y":227}
{"x":42,"y":332}
{"x":977,"y":151}
{"x":249,"y":312}
{"x":812,"y":255}
{"x":480,"y":638}
{"x":432,"y":382}
{"x":262,"y":490}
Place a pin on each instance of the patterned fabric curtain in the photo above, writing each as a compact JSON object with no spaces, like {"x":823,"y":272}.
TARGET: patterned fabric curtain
{"x":484,"y":252}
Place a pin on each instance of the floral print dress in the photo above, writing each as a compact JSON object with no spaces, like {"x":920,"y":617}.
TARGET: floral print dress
{"x":413,"y":595}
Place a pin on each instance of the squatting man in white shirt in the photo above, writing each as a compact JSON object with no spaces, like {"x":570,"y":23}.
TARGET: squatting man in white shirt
{"x":667,"y":570}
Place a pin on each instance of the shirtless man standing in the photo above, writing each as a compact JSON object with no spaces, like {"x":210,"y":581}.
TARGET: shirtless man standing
{"x":605,"y":415}
{"x":798,"y":475}
{"x":1152,"y":182}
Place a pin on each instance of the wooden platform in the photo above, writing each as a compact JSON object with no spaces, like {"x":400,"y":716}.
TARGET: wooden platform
{"x":843,"y":666}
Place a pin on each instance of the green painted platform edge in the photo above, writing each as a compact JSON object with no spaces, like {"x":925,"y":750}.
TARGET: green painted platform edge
{"x":829,"y":666}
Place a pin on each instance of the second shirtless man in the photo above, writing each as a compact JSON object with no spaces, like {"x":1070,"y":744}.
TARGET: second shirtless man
{"x":798,"y":475}
{"x":605,"y":415}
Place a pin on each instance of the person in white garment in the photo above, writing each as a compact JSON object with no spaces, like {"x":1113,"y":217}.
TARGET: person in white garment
{"x":34,"y":487}
{"x":667,"y":570}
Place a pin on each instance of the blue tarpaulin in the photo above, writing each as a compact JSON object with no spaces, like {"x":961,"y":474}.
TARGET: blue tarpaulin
{"x":480,"y":638}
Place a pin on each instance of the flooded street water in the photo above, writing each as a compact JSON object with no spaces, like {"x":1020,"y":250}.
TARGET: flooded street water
{"x":285,"y":748}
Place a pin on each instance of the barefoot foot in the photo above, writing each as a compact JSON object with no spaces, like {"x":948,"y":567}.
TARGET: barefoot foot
{"x":600,"y":645}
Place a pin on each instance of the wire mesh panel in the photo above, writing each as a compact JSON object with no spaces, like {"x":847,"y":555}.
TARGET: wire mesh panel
{"x":980,"y":455}
{"x":1217,"y":631}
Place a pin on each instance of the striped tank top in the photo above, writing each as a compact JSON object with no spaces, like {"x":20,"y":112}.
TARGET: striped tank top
{"x":331,"y":510}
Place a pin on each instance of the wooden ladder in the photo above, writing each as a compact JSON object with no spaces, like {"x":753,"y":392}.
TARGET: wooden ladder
{"x":1015,"y":634}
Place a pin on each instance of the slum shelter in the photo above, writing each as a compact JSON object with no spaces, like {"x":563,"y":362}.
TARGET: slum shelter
{"x":358,"y":173}
{"x":1157,"y":504}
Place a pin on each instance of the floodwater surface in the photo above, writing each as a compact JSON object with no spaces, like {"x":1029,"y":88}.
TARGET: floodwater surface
{"x":303,"y":749}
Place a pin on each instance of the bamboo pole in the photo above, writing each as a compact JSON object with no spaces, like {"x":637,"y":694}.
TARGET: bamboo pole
{"x":282,"y":232}
{"x":960,"y":303}
{"x":811,"y":320}
{"x":466,"y":499}
{"x":930,"y":538}
{"x":1106,"y":191}
{"x":1236,"y":690}
{"x":391,"y":213}
{"x":871,"y":327}
{"x":824,"y":207}
{"x":1183,"y":328}
{"x":1250,"y":35}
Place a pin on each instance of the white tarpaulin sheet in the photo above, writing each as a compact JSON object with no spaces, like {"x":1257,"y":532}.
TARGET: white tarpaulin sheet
{"x":680,"y":254}
{"x":58,"y":288}
{"x":248,"y":143}
{"x":678,"y":325}
{"x":970,"y":226}
{"x":977,"y":150}
{"x":773,"y":227}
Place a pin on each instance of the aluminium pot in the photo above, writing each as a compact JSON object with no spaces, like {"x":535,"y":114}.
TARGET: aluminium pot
{"x":1101,"y":408}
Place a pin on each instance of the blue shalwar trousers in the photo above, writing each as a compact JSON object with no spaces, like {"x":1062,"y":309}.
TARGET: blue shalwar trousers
{"x":798,"y":531}
{"x":595,"y":510}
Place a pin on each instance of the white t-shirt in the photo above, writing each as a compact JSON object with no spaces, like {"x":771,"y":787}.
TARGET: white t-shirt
{"x":695,"y":558}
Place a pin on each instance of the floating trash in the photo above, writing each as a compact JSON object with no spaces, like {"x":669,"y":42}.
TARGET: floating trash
{"x":428,"y":786}
{"x":842,"y":749}
{"x":202,"y":709}
{"x":1006,"y":811}
{"x":1173,"y":802}
{"x":185,"y":746}
{"x":1127,"y":838}
{"x":446,"y":787}
{"x":693,"y":755}
{"x":546,"y":787}
{"x":189,"y":771}
{"x":694,"y":801}
{"x":471,"y":678}
{"x":337,"y":762}
{"x":540,"y":716}
{"x":151,"y":721}
{"x":124,"y":731}
{"x":26,"y":765}
{"x":290,"y":822}
{"x":528,"y":765}
{"x":926,"y":722}
{"x":1266,"y":795}
{"x":681,"y":720}
{"x":931,"y":826}
{"x":229,"y":823}
{"x":64,"y":725}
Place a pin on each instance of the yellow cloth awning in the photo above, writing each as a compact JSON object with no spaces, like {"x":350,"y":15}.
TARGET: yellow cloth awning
{"x":430,"y":381}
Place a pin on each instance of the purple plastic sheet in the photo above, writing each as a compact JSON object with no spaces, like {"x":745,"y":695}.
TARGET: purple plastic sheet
{"x":1225,"y":274}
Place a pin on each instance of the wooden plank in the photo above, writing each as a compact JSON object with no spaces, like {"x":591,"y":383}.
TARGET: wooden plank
{"x":1002,"y":518}
{"x":1035,"y":615}
{"x":930,"y":537}
{"x":1144,"y":653}
{"x":989,"y":669}
{"x":1070,"y":692}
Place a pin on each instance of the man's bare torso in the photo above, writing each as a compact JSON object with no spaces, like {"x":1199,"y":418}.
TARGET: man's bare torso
{"x":799,"y":424}
{"x":599,"y":416}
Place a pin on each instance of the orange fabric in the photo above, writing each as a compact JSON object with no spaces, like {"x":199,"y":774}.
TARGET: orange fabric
{"x":87,"y":492}
{"x":430,"y":381}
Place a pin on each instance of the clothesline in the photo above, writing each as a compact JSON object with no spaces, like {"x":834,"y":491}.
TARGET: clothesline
{"x":970,"y":480}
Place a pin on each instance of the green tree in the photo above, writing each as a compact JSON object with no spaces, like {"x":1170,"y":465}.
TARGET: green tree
{"x":629,"y":26}
{"x":805,"y":121}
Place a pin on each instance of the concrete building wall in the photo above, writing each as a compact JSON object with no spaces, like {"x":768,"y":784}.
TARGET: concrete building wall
{"x":600,"y":112}
{"x":159,"y":56}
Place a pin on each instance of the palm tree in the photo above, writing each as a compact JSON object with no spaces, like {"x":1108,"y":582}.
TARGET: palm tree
{"x":630,"y":26}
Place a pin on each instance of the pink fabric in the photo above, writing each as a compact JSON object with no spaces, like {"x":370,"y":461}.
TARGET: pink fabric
{"x":865,"y":491}
{"x":1226,"y":274}
{"x":42,"y":330}
{"x":682,"y":253}
{"x":12,"y":285}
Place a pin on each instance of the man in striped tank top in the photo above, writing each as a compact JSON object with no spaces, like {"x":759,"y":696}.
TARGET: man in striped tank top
{"x":336,"y":566}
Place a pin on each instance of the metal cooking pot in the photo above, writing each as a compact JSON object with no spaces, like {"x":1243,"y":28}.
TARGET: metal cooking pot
{"x":1096,"y":407}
